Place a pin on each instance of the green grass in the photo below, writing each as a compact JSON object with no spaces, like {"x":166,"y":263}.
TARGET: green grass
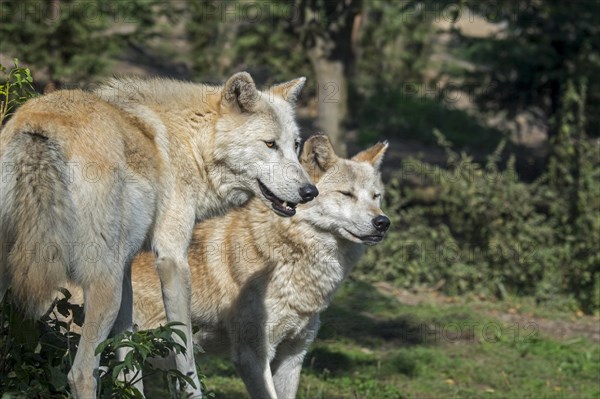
{"x":372,"y":346}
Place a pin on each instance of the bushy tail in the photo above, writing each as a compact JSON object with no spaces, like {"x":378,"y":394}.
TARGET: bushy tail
{"x":36,"y":213}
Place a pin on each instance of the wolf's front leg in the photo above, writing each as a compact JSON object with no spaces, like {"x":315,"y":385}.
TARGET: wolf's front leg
{"x":124,"y":322}
{"x":253,"y":366}
{"x":171,"y":242}
{"x":176,"y":282}
{"x":287,"y":364}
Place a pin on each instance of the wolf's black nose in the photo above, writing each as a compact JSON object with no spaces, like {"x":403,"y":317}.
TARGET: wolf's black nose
{"x":308,"y":193}
{"x":381,"y":223}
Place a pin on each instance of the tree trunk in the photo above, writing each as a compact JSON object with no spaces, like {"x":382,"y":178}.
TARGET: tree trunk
{"x":328,"y":30}
{"x":332,"y":97}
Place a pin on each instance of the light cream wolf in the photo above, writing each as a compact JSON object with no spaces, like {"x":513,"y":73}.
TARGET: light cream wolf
{"x":259,"y":282}
{"x":89,"y":178}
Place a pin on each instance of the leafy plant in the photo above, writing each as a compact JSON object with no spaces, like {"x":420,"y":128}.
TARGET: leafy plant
{"x":471,"y":227}
{"x":15,"y":88}
{"x":573,"y":190}
{"x":120,"y":376}
{"x":35,"y":357}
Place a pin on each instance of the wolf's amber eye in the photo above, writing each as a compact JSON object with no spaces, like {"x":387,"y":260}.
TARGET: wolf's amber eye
{"x":270,"y":144}
{"x":346,"y":193}
{"x":296,"y":145}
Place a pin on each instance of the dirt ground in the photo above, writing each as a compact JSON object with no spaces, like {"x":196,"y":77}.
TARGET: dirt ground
{"x":563,"y":330}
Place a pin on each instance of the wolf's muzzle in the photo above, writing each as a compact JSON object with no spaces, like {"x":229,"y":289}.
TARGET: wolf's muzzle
{"x":308,"y":193}
{"x":381,"y":223}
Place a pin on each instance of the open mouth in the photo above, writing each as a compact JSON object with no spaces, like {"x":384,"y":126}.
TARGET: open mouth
{"x":283,"y":208}
{"x":368,"y":239}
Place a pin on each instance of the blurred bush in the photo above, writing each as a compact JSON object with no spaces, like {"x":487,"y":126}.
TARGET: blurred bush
{"x":471,"y":227}
{"x":401,"y":113}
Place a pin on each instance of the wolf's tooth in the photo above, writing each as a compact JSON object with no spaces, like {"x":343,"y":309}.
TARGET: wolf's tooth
{"x":285,"y":204}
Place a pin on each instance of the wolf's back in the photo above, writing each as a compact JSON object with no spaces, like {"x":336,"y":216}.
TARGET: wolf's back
{"x":36,"y":216}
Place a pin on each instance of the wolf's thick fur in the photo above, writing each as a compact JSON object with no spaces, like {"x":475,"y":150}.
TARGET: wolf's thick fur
{"x":259,"y":282}
{"x":87,"y":178}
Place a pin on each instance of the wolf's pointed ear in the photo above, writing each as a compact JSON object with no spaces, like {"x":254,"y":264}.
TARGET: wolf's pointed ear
{"x":240,"y":92}
{"x":373,"y":155}
{"x":317,"y":155}
{"x":289,"y":91}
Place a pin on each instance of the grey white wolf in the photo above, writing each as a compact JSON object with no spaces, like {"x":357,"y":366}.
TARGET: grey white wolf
{"x":259,"y":282}
{"x":89,"y":178}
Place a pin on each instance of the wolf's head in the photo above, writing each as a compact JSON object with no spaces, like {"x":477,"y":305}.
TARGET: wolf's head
{"x":351,"y":190}
{"x":258,"y":141}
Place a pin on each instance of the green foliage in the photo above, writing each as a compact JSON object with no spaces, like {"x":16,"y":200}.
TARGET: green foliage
{"x":65,"y":40}
{"x":15,"y":88}
{"x":236,"y":35}
{"x":541,"y":46}
{"x":35,"y":357}
{"x":204,"y":38}
{"x":72,"y":41}
{"x":140,"y":346}
{"x":403,"y":112}
{"x":458,"y":228}
{"x":472,"y":227}
{"x":572,"y":179}
{"x":397,"y":92}
{"x":396,"y":45}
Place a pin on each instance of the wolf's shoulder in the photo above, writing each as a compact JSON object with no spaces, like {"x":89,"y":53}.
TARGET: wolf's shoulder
{"x":157,"y":91}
